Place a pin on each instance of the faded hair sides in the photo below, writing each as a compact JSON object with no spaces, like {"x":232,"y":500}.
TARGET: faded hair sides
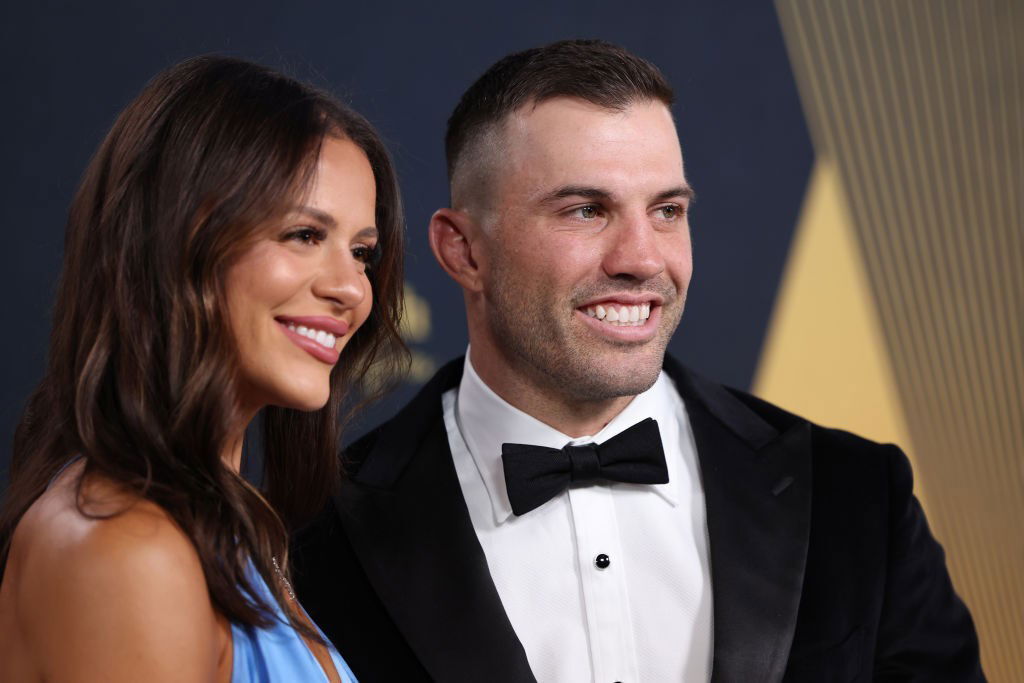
{"x":589,"y":70}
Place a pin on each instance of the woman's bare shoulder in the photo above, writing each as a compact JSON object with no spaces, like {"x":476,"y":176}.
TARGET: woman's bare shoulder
{"x":106,"y":581}
{"x":97,"y":512}
{"x":99,"y":527}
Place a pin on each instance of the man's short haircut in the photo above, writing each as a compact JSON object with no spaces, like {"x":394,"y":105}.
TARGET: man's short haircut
{"x":590,"y":70}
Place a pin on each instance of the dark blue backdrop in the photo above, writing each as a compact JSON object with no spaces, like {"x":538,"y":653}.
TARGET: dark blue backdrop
{"x":68,"y":68}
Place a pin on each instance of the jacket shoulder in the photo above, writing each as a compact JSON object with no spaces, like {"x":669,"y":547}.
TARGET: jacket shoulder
{"x":784,"y":420}
{"x":381,"y":455}
{"x":761,"y":422}
{"x":355,"y":454}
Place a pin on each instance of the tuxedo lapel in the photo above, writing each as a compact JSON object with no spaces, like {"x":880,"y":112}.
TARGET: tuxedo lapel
{"x":757,"y":490}
{"x":409,"y":525}
{"x":408,"y":522}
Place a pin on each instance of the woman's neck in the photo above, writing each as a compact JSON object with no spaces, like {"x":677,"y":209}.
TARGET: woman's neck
{"x":232,"y":454}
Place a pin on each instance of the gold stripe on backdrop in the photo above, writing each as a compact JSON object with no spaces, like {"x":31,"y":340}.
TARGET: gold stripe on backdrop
{"x":825,"y":356}
{"x":916,"y":109}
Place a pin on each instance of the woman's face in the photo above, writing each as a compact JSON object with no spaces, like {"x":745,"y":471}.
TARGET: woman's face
{"x":300,"y":292}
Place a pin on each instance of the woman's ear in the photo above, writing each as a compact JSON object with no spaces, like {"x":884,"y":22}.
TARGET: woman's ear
{"x":451,"y":236}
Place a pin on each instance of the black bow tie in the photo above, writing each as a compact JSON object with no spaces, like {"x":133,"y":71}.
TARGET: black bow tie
{"x":535,"y":474}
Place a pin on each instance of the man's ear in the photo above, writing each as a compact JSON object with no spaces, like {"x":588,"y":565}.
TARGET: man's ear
{"x":451,"y":235}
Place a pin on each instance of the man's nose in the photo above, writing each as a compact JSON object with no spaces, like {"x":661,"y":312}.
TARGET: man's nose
{"x":634,"y":249}
{"x":341,"y":280}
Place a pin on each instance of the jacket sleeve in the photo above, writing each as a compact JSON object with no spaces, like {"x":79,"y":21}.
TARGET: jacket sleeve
{"x":926,"y":632}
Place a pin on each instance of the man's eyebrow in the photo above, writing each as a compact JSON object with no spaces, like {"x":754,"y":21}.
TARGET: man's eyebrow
{"x":681,"y":192}
{"x":587,"y":192}
{"x":576,"y":191}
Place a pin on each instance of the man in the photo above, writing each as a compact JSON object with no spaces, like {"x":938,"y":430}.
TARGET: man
{"x":484,"y":537}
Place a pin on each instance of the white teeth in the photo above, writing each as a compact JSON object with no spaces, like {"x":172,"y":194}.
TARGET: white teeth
{"x":319,"y":336}
{"x":631,"y":316}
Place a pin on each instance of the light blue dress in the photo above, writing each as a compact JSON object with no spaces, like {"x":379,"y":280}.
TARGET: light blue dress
{"x":277,"y":653}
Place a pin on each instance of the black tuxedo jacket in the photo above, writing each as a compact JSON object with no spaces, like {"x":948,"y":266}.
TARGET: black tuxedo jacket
{"x":822,"y":564}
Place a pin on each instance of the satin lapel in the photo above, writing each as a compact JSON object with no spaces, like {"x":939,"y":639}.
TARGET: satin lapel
{"x":409,"y":525}
{"x":757,"y":490}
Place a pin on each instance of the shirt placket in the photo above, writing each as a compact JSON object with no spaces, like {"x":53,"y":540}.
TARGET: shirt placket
{"x":602,"y":570}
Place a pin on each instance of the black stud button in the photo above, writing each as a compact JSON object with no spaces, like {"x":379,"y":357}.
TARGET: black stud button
{"x":602,"y":561}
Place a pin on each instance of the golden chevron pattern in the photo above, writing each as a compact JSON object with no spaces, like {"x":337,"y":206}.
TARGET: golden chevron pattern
{"x":825,"y":333}
{"x":911,"y":243}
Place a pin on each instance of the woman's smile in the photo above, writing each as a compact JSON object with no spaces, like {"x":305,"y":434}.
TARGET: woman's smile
{"x":315,"y":261}
{"x":317,"y":335}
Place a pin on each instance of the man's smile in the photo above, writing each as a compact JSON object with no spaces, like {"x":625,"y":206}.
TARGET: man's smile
{"x":636,"y":323}
{"x":617,"y":314}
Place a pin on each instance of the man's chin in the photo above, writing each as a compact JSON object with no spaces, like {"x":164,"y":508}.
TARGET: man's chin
{"x":610,"y":376}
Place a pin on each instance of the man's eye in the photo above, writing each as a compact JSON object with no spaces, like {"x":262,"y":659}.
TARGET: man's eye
{"x":671,"y":211}
{"x":588,"y":212}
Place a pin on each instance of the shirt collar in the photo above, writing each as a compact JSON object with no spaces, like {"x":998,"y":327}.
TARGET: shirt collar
{"x":486,"y":421}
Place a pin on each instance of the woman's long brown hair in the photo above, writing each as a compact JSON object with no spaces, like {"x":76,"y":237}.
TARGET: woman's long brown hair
{"x":141,"y":376}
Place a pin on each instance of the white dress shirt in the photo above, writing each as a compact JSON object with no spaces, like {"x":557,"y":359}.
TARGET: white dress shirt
{"x":644,"y":617}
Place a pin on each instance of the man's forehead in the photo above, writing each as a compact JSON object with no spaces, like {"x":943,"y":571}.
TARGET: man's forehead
{"x":564,"y":126}
{"x":569,"y":141}
{"x":572,"y":142}
{"x":564,"y":110}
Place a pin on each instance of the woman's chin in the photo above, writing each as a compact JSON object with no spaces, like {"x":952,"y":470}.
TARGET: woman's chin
{"x":308,"y":405}
{"x":308,"y":400}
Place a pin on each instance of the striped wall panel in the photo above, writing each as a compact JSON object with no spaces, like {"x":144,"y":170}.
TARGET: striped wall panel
{"x":918,"y":106}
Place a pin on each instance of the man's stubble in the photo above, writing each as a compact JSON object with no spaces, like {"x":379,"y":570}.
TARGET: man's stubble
{"x":539,"y":335}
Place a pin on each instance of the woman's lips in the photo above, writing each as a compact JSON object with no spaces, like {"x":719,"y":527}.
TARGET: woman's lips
{"x":339,"y":328}
{"x":325,"y":354}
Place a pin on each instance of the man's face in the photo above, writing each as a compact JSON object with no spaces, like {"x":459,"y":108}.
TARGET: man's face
{"x":585,"y":256}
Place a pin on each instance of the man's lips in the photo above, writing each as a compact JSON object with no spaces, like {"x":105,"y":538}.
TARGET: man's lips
{"x":620,"y":309}
{"x":625,"y":299}
{"x":641,"y":330}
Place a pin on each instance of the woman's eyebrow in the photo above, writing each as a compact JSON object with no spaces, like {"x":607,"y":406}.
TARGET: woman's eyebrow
{"x":321,"y":216}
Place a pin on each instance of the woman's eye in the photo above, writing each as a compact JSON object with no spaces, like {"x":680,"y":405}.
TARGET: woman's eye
{"x":306,"y":235}
{"x":367,"y":255}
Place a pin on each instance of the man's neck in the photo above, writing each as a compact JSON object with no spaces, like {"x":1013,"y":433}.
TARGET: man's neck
{"x":571,"y":416}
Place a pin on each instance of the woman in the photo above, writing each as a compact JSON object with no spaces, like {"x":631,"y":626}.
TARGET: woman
{"x":235,"y":231}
